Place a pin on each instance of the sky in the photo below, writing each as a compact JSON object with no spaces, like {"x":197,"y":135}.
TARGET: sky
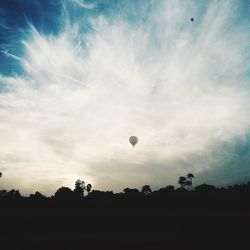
{"x":78,"y":78}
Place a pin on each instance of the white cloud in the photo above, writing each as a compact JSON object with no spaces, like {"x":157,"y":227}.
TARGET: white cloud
{"x":83,"y":4}
{"x":177,"y":85}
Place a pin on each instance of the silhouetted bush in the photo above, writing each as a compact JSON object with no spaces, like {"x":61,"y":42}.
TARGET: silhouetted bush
{"x":205,"y":188}
{"x":37,"y":196}
{"x":64,"y":193}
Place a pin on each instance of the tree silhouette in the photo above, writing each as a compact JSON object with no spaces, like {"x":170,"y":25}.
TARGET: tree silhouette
{"x":190,"y":177}
{"x":188,"y":184}
{"x":166,"y":189}
{"x":126,"y":190}
{"x":146,"y":190}
{"x":3,"y":194}
{"x":100,"y":195}
{"x":88,"y":188}
{"x":169,"y":188}
{"x":182,"y":181}
{"x":37,"y":196}
{"x":205,"y":188}
{"x":79,"y":188}
{"x":64,"y":193}
{"x":13,"y":194}
{"x":131,"y":191}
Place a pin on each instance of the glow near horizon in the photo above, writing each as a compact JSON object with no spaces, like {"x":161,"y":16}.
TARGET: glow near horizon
{"x":177,"y":85}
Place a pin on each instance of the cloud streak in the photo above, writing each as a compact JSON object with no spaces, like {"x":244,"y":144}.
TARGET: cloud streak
{"x":83,"y":4}
{"x":179,"y":86}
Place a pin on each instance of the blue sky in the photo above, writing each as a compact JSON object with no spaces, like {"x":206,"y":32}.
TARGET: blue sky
{"x":77,"y":78}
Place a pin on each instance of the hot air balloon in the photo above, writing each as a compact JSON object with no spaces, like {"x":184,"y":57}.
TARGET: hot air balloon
{"x":133,"y":140}
{"x":0,"y":174}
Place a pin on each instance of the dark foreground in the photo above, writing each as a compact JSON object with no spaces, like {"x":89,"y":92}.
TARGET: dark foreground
{"x":174,"y":220}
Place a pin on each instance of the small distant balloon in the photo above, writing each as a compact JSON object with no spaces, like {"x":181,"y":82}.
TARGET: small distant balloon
{"x":192,"y":19}
{"x":0,"y":174}
{"x":133,"y":140}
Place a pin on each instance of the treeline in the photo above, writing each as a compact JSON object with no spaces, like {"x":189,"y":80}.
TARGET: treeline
{"x":82,"y":191}
{"x":143,"y":218}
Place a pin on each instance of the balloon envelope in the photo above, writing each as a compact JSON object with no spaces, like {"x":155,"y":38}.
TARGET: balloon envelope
{"x":133,"y":140}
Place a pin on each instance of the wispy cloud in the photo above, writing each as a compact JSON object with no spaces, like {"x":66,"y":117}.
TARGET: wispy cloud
{"x":17,"y":58}
{"x":180,"y":86}
{"x":83,"y":4}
